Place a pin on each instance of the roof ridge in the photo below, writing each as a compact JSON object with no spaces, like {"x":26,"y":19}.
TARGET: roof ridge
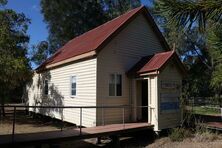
{"x":105,"y":23}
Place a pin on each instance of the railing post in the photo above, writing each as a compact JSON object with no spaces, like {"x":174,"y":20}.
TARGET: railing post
{"x":80,"y":121}
{"x":123,"y":117}
{"x":13,"y":127}
{"x":103,"y":122}
{"x":62,"y":124}
{"x":0,"y":113}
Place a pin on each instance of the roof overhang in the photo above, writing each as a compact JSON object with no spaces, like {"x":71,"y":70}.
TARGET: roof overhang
{"x":82,"y":56}
{"x":153,"y":65}
{"x":73,"y":59}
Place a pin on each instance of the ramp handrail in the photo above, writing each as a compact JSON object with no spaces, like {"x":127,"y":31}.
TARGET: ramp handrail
{"x":123,"y":107}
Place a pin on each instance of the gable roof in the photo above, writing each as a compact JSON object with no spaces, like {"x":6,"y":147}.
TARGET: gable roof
{"x":90,"y":43}
{"x":155,"y":63}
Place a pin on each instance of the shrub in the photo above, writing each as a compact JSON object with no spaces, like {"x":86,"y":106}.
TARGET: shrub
{"x":206,"y":136}
{"x":178,"y":134}
{"x":202,"y":134}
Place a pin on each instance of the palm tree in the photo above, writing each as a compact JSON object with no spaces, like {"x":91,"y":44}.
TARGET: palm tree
{"x":186,"y":13}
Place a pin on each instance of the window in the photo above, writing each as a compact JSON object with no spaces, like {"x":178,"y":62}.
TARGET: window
{"x":46,"y":87}
{"x":115,"y":85}
{"x":73,"y":86}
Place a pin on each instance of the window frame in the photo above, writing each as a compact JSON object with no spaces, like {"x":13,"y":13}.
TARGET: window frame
{"x":71,"y":95}
{"x":44,"y":91}
{"x":115,"y":84}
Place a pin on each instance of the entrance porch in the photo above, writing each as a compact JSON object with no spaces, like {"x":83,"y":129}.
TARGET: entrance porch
{"x":156,"y":83}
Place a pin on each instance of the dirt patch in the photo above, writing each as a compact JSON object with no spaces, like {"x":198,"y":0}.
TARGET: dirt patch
{"x":29,"y":124}
{"x":187,"y":143}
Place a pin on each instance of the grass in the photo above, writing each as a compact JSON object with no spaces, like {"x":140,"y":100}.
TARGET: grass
{"x":178,"y":134}
{"x":204,"y":110}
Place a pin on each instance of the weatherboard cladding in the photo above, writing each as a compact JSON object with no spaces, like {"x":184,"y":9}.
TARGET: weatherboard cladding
{"x":95,"y":39}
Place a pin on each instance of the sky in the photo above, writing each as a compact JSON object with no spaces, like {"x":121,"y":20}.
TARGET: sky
{"x":31,"y":8}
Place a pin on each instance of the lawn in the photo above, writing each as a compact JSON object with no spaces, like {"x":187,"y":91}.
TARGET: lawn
{"x":206,"y":110}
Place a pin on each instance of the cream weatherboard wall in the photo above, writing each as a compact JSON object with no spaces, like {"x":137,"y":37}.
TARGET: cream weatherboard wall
{"x":121,"y":53}
{"x":135,"y":41}
{"x":173,"y":77}
{"x":59,"y":91}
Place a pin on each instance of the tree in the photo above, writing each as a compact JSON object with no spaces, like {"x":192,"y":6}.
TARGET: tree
{"x":14,"y":66}
{"x":40,"y":52}
{"x":190,"y":45}
{"x":67,"y":19}
{"x":206,"y":16}
{"x":214,"y":43}
{"x":114,"y":8}
{"x":189,"y":12}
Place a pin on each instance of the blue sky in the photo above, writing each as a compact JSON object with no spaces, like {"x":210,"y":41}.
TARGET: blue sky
{"x":31,"y":8}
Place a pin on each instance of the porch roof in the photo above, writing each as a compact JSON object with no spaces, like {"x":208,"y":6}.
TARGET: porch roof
{"x":154,"y":63}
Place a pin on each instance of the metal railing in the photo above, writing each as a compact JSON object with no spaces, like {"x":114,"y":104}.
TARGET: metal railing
{"x":123,"y":107}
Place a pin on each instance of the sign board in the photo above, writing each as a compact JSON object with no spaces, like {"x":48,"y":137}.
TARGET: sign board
{"x":170,"y":84}
{"x":169,"y":102}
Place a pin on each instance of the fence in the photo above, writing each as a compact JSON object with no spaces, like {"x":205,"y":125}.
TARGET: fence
{"x":122,"y":107}
{"x":204,"y":106}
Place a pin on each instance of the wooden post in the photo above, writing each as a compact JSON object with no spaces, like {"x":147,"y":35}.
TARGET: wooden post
{"x":80,"y":121}
{"x":123,"y":117}
{"x":103,"y":121}
{"x":13,"y":127}
{"x":0,"y":114}
{"x":98,"y":140}
{"x":62,"y":124}
{"x":115,"y":141}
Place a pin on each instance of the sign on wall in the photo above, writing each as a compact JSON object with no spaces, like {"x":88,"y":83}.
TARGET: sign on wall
{"x":169,"y":102}
{"x":170,"y":84}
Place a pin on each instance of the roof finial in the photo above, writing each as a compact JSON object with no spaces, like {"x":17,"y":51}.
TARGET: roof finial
{"x":174,"y":46}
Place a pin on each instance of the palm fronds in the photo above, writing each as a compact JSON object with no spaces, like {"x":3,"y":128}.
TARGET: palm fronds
{"x":186,"y":13}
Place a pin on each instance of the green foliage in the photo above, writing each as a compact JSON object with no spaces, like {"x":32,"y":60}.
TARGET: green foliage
{"x":185,"y":12}
{"x":40,"y":52}
{"x":191,"y":47}
{"x":14,"y":66}
{"x":215,"y":50}
{"x":114,"y":8}
{"x":206,"y":110}
{"x":3,"y":2}
{"x":178,"y":134}
{"x":67,"y":19}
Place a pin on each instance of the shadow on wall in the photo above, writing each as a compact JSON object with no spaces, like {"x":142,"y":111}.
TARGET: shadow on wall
{"x":54,"y":97}
{"x":25,"y":94}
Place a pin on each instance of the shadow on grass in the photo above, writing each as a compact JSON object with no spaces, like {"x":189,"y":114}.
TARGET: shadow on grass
{"x":35,"y":120}
{"x":138,"y":139}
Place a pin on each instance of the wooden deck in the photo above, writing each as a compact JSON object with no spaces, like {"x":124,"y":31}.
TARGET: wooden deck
{"x":214,"y":125}
{"x":74,"y":134}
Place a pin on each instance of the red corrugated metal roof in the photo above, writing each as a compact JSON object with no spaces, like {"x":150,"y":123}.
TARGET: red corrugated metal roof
{"x":91,"y":40}
{"x":95,"y":39}
{"x":156,"y":62}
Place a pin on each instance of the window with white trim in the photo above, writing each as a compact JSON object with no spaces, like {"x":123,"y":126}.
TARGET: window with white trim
{"x":73,"y":85}
{"x":46,"y":87}
{"x":115,"y":85}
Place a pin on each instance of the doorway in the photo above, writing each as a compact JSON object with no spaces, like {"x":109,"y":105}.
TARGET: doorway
{"x":144,"y":97}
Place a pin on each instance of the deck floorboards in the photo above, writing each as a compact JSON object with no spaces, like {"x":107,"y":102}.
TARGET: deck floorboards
{"x":73,"y":134}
